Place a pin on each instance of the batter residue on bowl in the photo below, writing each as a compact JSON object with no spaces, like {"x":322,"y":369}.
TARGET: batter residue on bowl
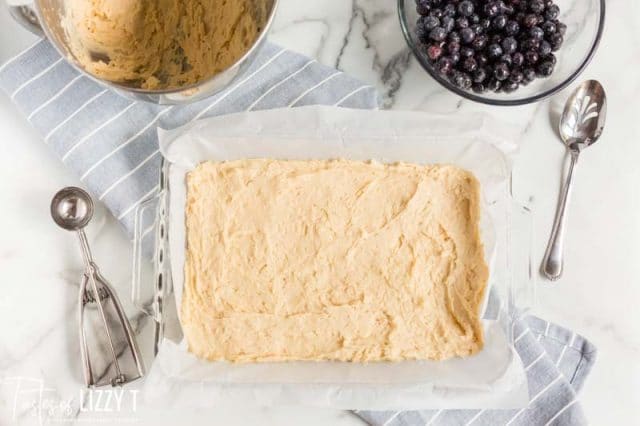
{"x":161,"y":44}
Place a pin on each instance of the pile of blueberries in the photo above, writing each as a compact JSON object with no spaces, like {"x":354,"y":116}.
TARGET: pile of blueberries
{"x":494,"y":45}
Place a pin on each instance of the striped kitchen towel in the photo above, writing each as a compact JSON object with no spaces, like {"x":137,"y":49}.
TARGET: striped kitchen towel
{"x":111,"y":144}
{"x":557,"y":362}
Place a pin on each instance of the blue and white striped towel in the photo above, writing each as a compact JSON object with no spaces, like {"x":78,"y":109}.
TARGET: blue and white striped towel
{"x":111,"y":143}
{"x":557,"y":362}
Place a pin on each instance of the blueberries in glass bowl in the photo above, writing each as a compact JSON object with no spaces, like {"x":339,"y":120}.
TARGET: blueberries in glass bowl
{"x":490,"y":45}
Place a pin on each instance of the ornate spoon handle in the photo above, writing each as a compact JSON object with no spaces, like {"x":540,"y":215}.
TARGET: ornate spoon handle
{"x":553,"y":258}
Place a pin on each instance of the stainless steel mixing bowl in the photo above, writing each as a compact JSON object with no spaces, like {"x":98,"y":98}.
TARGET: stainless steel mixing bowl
{"x":44,"y":17}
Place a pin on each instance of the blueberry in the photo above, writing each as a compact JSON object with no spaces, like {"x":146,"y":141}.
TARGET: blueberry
{"x":536,"y":6}
{"x":485,"y":23}
{"x":478,"y":29}
{"x":520,"y":5}
{"x":499,"y":22}
{"x":434,"y":51}
{"x":531,"y":57}
{"x":462,"y":23}
{"x":508,"y":10}
{"x":465,"y":8}
{"x":479,"y":42}
{"x":444,"y":65}
{"x":551,"y":58}
{"x":421,"y":32}
{"x":435,"y":3}
{"x":501,"y":71}
{"x":479,"y":75}
{"x":530,"y":44}
{"x":430,"y":22}
{"x":469,"y":64}
{"x":545,"y":48}
{"x":529,"y":74}
{"x":549,"y":27}
{"x":496,"y":38}
{"x":449,"y":10}
{"x":454,"y":36}
{"x":494,"y":85}
{"x":474,"y":19}
{"x":506,"y":58}
{"x":530,"y":20}
{"x":491,"y":9}
{"x":482,"y":59}
{"x":438,"y":34}
{"x":552,"y":12}
{"x":466,"y":52}
{"x":545,"y":69}
{"x":494,"y":50}
{"x":453,"y":47}
{"x":510,"y":86}
{"x":461,"y":80}
{"x":556,"y":41}
{"x":455,"y":57}
{"x":512,"y":28}
{"x":537,"y":33}
{"x":447,"y":23}
{"x":479,"y":88}
{"x":509,"y":45}
{"x":516,"y":76}
{"x":518,"y":59}
{"x":437,"y":13}
{"x":467,"y":35}
{"x":561,"y":28}
{"x":423,"y":6}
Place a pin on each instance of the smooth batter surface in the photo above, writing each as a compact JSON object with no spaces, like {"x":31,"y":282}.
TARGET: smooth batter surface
{"x":332,"y":260}
{"x":161,"y":44}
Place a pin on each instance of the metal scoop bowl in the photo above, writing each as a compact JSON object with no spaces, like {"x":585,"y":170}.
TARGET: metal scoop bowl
{"x":72,"y":209}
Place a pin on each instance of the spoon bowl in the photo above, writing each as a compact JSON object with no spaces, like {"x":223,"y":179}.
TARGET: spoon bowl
{"x":584,"y":115}
{"x":71,"y":208}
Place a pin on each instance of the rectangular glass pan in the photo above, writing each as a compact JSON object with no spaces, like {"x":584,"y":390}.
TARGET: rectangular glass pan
{"x":511,"y":277}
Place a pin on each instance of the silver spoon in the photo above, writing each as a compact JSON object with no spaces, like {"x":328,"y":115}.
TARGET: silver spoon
{"x":581,"y":125}
{"x":72,"y":209}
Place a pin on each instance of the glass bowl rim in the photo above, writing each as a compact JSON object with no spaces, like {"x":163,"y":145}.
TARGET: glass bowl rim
{"x":402,"y":15}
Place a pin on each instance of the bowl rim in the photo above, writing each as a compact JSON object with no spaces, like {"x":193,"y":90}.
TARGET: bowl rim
{"x":406,"y":32}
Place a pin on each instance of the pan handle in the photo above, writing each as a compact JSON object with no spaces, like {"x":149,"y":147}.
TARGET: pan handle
{"x":145,"y":243}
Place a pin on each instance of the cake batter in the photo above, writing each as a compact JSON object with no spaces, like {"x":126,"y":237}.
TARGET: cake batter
{"x":332,"y":260}
{"x":161,"y":44}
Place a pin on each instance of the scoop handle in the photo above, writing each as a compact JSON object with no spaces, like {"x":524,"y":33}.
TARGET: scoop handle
{"x":552,"y":263}
{"x":84,"y":248}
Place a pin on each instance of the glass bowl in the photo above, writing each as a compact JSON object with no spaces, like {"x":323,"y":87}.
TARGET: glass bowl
{"x":585,"y":22}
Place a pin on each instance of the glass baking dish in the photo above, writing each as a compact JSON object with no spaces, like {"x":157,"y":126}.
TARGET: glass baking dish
{"x":512,"y":274}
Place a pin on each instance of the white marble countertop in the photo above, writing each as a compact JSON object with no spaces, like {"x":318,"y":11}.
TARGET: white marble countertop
{"x":40,"y":265}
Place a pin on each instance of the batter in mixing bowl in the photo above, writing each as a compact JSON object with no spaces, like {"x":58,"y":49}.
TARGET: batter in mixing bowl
{"x":161,"y":44}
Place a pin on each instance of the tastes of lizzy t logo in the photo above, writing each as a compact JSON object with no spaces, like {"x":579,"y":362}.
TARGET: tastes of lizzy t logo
{"x":31,"y":402}
{"x":107,"y":400}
